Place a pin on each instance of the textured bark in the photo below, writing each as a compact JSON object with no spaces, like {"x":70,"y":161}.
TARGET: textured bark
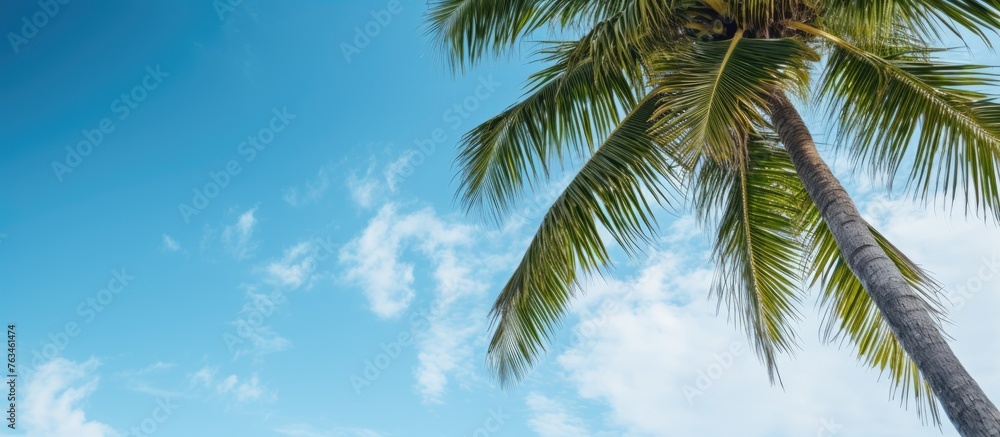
{"x":963,"y":400}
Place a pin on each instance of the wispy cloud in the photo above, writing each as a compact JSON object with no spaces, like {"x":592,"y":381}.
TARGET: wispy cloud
{"x":203,"y":377}
{"x":550,"y":418}
{"x":170,"y":244}
{"x":243,"y":391}
{"x":158,"y":366}
{"x":364,"y":189}
{"x":446,"y":346}
{"x":139,"y":380}
{"x":53,"y":399}
{"x":313,"y":190}
{"x":238,"y":237}
{"x":294,"y":269}
{"x":240,"y":389}
{"x":253,"y":335}
{"x":259,"y":338}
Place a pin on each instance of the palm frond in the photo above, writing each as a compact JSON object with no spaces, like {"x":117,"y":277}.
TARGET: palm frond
{"x":615,"y":190}
{"x":570,"y":105}
{"x":926,"y":18}
{"x":877,"y":27}
{"x":757,"y":251}
{"x":469,"y":30}
{"x":894,"y":106}
{"x":716,"y":89}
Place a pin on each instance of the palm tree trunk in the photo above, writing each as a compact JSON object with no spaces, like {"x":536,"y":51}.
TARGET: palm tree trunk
{"x":963,"y":400}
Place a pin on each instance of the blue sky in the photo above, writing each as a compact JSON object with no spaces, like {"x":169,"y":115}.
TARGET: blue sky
{"x":223,"y":221}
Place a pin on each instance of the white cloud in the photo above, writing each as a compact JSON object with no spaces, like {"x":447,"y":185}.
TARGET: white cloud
{"x":641,"y":344}
{"x":651,"y":348}
{"x":170,"y":245}
{"x":374,"y":262}
{"x":53,"y":397}
{"x":373,"y":259}
{"x":294,"y":269}
{"x":242,"y":390}
{"x":313,"y":191}
{"x":445,"y":347}
{"x":364,"y":190}
{"x":550,"y":418}
{"x":238,"y":237}
{"x":204,"y":376}
{"x":227,"y":384}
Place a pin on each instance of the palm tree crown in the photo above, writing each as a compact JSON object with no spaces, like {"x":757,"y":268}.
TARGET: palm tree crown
{"x":671,"y":101}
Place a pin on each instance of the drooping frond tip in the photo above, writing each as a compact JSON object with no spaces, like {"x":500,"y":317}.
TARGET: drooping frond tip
{"x":757,"y":250}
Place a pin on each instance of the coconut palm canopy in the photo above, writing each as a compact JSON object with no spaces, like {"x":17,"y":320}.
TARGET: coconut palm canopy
{"x":672,"y":104}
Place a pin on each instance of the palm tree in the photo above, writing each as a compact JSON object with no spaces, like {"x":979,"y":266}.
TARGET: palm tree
{"x":665,"y":102}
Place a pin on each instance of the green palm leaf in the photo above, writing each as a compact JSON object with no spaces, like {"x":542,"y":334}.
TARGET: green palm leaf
{"x":569,"y":105}
{"x":469,"y":29}
{"x":716,"y":90}
{"x":757,"y":251}
{"x":890,"y":108}
{"x":926,"y":18}
{"x":614,"y":190}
